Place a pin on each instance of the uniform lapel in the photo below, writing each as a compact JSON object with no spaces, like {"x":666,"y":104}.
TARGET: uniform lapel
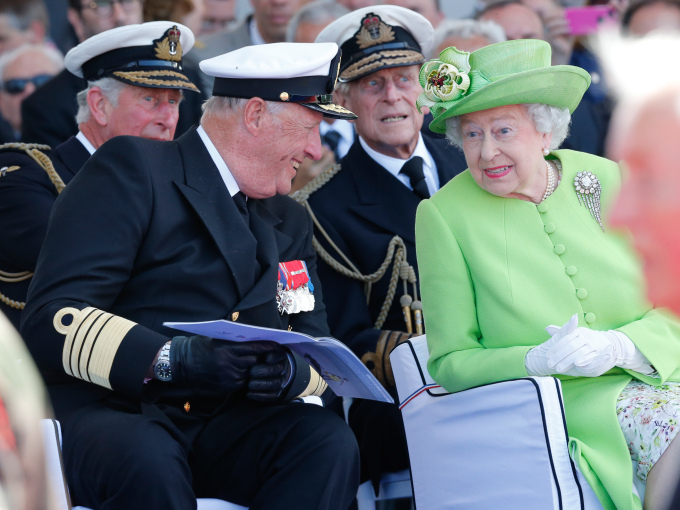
{"x":449,"y":159}
{"x":384,"y":200}
{"x":206,"y":192}
{"x":73,"y":155}
{"x":262,"y":225}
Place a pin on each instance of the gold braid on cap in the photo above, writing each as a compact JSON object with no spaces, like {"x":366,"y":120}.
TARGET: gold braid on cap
{"x":380,"y":59}
{"x":34,"y":152}
{"x":144,"y":77}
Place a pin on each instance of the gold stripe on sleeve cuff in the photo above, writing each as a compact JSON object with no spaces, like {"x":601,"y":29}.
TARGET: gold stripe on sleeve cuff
{"x":92,"y":341}
{"x":316,"y":385}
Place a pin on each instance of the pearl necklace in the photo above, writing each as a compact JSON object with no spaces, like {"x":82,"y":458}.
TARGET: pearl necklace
{"x":551,"y":182}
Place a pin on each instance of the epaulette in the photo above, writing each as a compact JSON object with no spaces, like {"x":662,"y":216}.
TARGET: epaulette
{"x":34,"y":151}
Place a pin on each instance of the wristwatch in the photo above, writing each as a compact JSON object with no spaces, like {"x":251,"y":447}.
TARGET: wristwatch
{"x":162,"y":369}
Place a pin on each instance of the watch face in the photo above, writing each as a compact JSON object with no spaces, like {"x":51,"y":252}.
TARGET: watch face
{"x":162,"y":371}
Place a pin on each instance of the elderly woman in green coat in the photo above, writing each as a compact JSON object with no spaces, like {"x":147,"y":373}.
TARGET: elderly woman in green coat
{"x":518,"y":244}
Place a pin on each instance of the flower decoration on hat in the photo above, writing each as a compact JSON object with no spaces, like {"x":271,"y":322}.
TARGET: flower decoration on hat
{"x":445,"y":79}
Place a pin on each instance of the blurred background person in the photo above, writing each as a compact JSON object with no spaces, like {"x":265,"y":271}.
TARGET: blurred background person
{"x":647,"y":127}
{"x":23,"y":403}
{"x":189,"y":13}
{"x":353,"y":5}
{"x":430,"y":9}
{"x":590,"y":120}
{"x":22,"y":71}
{"x":337,"y":135}
{"x":645,"y":16}
{"x":22,"y":22}
{"x":267,"y":24}
{"x":218,"y":15}
{"x":466,"y":35}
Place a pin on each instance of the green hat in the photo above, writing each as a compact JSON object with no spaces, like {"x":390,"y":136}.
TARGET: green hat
{"x":511,"y":72}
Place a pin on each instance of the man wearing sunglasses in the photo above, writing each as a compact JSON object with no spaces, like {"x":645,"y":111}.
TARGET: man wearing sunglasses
{"x":52,"y":122}
{"x":23,"y":70}
{"x":135,"y":81}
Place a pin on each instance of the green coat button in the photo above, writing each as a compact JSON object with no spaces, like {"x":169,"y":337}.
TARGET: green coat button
{"x":581,"y":293}
{"x":549,"y":228}
{"x":542,"y":207}
{"x":590,"y":317}
{"x":571,"y":270}
{"x":559,"y":249}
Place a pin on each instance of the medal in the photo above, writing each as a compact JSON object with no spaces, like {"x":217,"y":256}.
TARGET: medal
{"x":295,"y":291}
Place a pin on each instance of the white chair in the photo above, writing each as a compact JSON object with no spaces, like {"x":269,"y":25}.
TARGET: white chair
{"x":57,"y":480}
{"x":501,"y":445}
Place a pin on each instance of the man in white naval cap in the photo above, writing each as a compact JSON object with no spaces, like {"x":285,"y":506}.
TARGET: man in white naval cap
{"x":132,"y":89}
{"x":368,"y":207}
{"x":195,"y":229}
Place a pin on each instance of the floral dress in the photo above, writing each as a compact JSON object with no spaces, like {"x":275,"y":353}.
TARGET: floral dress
{"x":648,"y":416}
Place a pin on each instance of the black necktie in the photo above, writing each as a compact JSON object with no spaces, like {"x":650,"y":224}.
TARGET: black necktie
{"x":242,"y":206}
{"x":414,"y":169}
{"x":332,"y":139}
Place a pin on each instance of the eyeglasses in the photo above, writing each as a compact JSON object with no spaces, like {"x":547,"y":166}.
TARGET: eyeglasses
{"x":105,"y":7}
{"x":18,"y":85}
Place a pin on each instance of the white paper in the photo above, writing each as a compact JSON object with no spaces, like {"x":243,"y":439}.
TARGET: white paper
{"x":346,"y":375}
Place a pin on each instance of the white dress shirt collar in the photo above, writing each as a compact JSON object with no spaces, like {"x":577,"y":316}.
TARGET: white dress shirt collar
{"x":393,"y":165}
{"x":227,"y":177}
{"x":86,"y":143}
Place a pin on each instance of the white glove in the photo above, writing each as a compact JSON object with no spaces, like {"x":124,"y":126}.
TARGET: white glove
{"x":536,"y":361}
{"x":583,"y":352}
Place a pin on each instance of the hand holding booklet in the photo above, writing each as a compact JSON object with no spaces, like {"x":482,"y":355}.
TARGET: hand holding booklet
{"x":334,"y":361}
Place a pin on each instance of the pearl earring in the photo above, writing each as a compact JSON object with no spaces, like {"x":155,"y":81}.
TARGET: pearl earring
{"x":545,"y":151}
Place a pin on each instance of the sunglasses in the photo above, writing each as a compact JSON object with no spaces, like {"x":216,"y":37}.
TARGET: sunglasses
{"x":18,"y":85}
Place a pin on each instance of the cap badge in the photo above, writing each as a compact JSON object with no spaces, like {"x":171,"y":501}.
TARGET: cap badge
{"x":169,"y":47}
{"x":373,"y":31}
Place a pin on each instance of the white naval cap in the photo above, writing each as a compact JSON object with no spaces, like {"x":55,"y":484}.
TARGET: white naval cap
{"x":303,"y":73}
{"x":378,"y":37}
{"x":145,"y":55}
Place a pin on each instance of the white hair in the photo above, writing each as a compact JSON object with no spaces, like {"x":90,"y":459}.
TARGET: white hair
{"x":223,"y":105}
{"x":110,"y":89}
{"x":53,"y":55}
{"x":546,"y":119}
{"x":465,"y":29}
{"x":316,"y":12}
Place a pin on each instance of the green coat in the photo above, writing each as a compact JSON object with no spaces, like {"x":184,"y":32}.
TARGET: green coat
{"x":496,"y":271}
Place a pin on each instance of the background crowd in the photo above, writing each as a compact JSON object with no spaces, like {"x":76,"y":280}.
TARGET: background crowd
{"x":39,"y":105}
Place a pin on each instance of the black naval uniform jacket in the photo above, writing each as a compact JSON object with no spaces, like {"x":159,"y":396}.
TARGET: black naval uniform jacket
{"x":147,"y":232}
{"x":26,"y":199}
{"x":362,"y":208}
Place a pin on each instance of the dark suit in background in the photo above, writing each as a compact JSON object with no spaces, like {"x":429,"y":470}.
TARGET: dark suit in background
{"x":362,"y":208}
{"x":27,"y":196}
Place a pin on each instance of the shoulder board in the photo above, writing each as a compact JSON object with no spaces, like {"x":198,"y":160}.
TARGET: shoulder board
{"x":34,"y":151}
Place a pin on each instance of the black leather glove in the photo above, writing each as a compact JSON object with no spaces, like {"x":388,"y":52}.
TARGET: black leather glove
{"x":271,"y":377}
{"x":200,"y":362}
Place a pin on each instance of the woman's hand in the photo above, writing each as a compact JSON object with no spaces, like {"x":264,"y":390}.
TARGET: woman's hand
{"x":583,"y":352}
